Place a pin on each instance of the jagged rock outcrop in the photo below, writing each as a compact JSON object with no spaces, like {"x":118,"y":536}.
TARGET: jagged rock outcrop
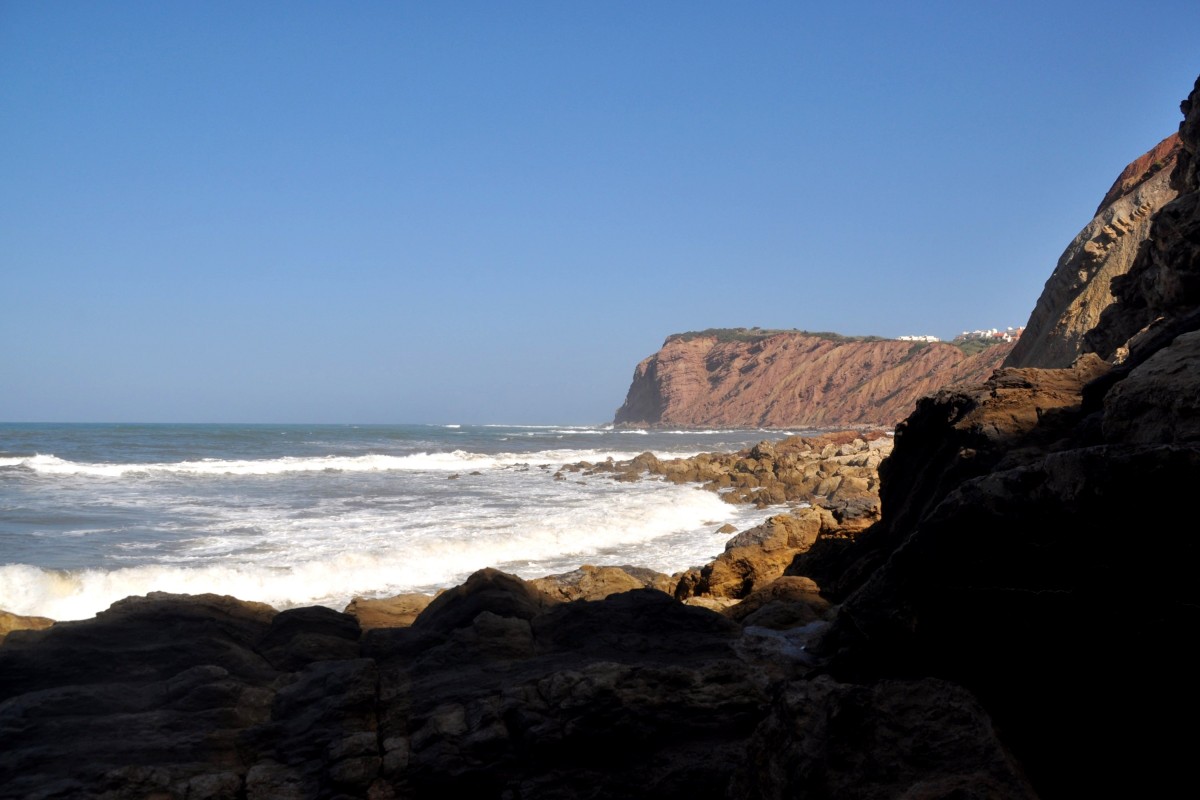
{"x":953,"y":436}
{"x":1078,"y":291}
{"x":756,"y":557}
{"x":1162,"y":289}
{"x":1020,"y":623}
{"x":940,"y":724}
{"x":498,"y":690}
{"x":838,"y":470}
{"x":10,"y":622}
{"x":1030,"y":538}
{"x":793,"y":379}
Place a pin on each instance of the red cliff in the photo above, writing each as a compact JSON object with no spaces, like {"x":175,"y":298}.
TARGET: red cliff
{"x":740,"y":378}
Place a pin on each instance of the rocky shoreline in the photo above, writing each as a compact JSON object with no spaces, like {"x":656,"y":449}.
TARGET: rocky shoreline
{"x":247,"y":701}
{"x":602,"y":682}
{"x":1018,"y":622}
{"x":825,"y":484}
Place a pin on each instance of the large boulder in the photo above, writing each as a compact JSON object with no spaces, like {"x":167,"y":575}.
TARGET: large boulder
{"x":755,"y":557}
{"x":892,"y":739}
{"x":952,"y":436}
{"x":10,"y":622}
{"x":1163,"y":283}
{"x":596,"y":583}
{"x":397,"y":611}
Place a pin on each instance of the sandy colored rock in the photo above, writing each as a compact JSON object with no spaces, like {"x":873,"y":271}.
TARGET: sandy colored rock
{"x":596,"y":583}
{"x":785,"y":602}
{"x":10,"y":622}
{"x":837,"y":469}
{"x":1078,"y":291}
{"x":754,"y":557}
{"x":1020,"y":623}
{"x":1163,"y":284}
{"x":397,"y":611}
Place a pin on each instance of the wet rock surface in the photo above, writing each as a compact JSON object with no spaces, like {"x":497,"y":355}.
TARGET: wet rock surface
{"x":836,"y":470}
{"x":1020,"y":622}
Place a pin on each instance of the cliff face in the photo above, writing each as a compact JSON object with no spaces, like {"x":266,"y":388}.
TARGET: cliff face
{"x":1027,"y":520}
{"x":793,"y":379}
{"x":1020,"y":623}
{"x":1078,"y":290}
{"x":1162,"y":288}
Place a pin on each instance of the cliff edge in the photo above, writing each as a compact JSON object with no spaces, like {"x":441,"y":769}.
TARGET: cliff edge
{"x":1019,"y":623}
{"x":778,"y":379}
{"x":1035,"y":544}
{"x":1078,"y":291}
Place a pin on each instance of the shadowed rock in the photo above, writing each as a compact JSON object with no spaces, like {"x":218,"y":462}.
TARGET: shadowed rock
{"x":1035,"y":566}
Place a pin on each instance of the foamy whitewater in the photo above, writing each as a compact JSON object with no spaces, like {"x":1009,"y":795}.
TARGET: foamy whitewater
{"x":296,"y":515}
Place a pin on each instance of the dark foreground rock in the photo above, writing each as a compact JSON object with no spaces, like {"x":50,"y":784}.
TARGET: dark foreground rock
{"x":1037,"y":544}
{"x":498,"y":690}
{"x":1020,"y":623}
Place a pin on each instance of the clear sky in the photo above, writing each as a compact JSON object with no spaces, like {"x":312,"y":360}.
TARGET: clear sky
{"x":491,"y":211}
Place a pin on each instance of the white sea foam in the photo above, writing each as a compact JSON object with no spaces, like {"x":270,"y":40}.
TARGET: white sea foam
{"x":522,"y":427}
{"x":328,"y":560}
{"x":452,"y":461}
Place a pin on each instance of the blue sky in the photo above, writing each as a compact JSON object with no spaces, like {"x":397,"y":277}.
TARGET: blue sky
{"x":490,"y":212}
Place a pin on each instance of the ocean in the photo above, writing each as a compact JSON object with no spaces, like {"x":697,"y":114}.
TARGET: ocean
{"x":295,"y":515}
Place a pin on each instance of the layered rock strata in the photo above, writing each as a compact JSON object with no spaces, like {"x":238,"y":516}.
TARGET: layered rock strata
{"x":1078,"y":291}
{"x":793,"y":379}
{"x":1019,"y":623}
{"x":1032,"y":525}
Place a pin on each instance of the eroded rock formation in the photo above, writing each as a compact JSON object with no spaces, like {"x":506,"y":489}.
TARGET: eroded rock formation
{"x":1078,"y":291}
{"x":1019,"y":623}
{"x":499,"y":690}
{"x":1041,"y":515}
{"x":838,"y":470}
{"x":786,"y":379}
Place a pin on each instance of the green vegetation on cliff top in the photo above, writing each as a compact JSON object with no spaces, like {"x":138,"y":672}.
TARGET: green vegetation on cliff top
{"x":972,"y":346}
{"x":758,"y":334}
{"x":968,"y":346}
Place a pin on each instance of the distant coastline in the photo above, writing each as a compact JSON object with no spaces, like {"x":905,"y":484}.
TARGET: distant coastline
{"x":780,"y":380}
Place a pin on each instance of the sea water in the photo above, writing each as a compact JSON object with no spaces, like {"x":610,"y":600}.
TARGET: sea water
{"x":296,"y":515}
